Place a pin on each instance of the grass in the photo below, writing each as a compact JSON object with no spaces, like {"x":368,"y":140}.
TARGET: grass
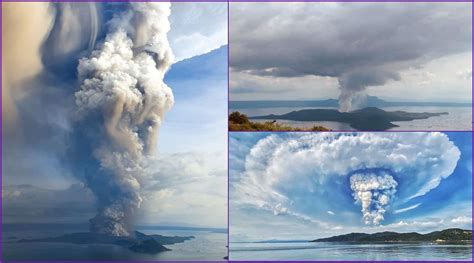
{"x":240,"y":122}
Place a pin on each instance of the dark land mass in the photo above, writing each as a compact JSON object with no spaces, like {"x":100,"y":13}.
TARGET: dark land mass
{"x":447,"y":235}
{"x":138,"y":242}
{"x":372,"y":101}
{"x":184,"y":228}
{"x":240,"y":122}
{"x":276,"y":241}
{"x":364,"y":119}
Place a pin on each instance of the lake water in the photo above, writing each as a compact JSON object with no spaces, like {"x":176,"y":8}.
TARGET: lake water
{"x":341,"y":251}
{"x":206,"y":245}
{"x":458,"y":118}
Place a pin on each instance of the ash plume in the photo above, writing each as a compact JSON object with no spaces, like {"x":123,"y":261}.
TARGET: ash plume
{"x":377,"y":170}
{"x":23,"y":33}
{"x":374,"y":192}
{"x":361,"y":45}
{"x":351,"y":84}
{"x":120,"y":107}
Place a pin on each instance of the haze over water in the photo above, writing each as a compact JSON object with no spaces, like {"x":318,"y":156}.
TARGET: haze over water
{"x":457,"y":119}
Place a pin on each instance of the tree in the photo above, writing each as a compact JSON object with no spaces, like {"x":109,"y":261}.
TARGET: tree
{"x":238,"y":118}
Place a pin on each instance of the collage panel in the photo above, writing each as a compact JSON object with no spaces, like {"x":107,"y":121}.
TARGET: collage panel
{"x":236,"y":131}
{"x":359,"y":66}
{"x":350,"y":131}
{"x":114,"y":131}
{"x":360,"y":196}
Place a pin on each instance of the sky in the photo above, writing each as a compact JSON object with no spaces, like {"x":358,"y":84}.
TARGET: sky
{"x":298,"y":51}
{"x":302,"y":186}
{"x":186,"y":179}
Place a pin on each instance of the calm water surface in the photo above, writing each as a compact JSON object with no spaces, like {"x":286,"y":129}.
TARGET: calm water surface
{"x":345,"y":251}
{"x":458,"y":118}
{"x":205,"y":246}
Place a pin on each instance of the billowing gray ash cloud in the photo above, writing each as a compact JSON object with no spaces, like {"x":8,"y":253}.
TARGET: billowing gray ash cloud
{"x":91,"y":75}
{"x":361,"y":44}
{"x":120,"y":105}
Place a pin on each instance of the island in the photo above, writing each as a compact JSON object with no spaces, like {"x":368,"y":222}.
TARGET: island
{"x":137,"y":242}
{"x":447,"y":235}
{"x":367,"y":119}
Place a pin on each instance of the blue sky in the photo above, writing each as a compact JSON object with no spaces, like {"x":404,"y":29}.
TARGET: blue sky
{"x":296,"y":186}
{"x":192,"y":145}
{"x":199,"y":116}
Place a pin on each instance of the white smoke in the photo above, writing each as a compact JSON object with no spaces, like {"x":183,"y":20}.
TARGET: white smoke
{"x":374,"y":192}
{"x":379,"y":168}
{"x":122,"y":87}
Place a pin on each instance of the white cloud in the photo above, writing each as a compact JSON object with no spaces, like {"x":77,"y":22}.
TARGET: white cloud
{"x":330,"y":212}
{"x":245,"y":86}
{"x":197,"y":28}
{"x":186,"y":189}
{"x":462,"y":220}
{"x":465,"y":74}
{"x":439,"y":223}
{"x":406,"y":209}
{"x":281,"y":170}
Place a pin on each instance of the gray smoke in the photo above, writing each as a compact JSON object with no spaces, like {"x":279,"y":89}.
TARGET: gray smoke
{"x":91,"y":109}
{"x":360,"y":44}
{"x":353,"y":83}
{"x":122,"y":100}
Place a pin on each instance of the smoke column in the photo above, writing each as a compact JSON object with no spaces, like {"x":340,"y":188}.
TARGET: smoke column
{"x":352,"y":83}
{"x":373,"y":192}
{"x":379,"y":171}
{"x":120,"y":107}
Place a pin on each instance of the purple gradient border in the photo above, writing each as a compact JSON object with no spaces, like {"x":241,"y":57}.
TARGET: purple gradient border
{"x":228,"y":80}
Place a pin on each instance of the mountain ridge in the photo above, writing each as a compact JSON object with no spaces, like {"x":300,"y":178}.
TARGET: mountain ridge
{"x":366,"y":119}
{"x":446,"y":235}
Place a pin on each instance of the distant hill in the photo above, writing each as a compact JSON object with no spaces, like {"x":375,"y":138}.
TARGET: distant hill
{"x":365,"y":119}
{"x":282,"y":103}
{"x":370,"y":101}
{"x":447,"y":235}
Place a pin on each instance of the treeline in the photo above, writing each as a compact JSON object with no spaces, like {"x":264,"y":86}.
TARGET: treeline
{"x":240,"y":122}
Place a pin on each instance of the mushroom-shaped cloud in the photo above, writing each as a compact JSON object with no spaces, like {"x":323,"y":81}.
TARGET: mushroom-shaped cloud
{"x":282,"y":171}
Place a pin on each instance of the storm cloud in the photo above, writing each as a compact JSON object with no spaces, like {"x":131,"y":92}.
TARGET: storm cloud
{"x":360,"y":44}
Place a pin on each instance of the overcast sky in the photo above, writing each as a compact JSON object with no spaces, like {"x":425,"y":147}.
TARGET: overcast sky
{"x":416,"y":51}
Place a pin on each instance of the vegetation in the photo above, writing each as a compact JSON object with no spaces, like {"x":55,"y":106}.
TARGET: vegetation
{"x":240,"y":122}
{"x":447,"y":235}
